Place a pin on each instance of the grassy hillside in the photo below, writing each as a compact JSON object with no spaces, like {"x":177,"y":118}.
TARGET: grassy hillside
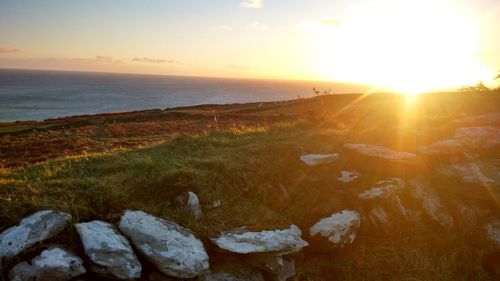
{"x":247,"y":156}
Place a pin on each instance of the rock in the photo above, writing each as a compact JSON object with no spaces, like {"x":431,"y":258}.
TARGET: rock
{"x":378,"y":216}
{"x":448,"y":149}
{"x":492,"y":119}
{"x":348,"y":176}
{"x":390,"y":161}
{"x":383,"y":189}
{"x":36,"y":228}
{"x":53,"y":264}
{"x":193,"y":205}
{"x":479,"y":138}
{"x":174,"y":250}
{"x":318,"y":159}
{"x":467,"y":215}
{"x":108,"y":250}
{"x":244,"y":242}
{"x":492,"y":230}
{"x":431,"y":203}
{"x":476,"y":173}
{"x":340,"y":228}
{"x":281,"y":268}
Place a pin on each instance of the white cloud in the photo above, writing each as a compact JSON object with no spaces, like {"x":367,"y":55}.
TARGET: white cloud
{"x":257,"y":26}
{"x":254,"y":4}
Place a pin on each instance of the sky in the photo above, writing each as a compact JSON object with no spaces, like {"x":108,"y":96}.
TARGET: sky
{"x":416,"y":45}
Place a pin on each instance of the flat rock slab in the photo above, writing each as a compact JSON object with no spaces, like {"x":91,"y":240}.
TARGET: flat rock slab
{"x":431,"y":202}
{"x":479,"y":138}
{"x":376,"y":157}
{"x":174,"y":250}
{"x":340,"y":229}
{"x":244,"y":242}
{"x":476,"y":173}
{"x":348,"y":176}
{"x":109,"y":250}
{"x":319,"y":159}
{"x":36,"y":228}
{"x":53,"y":264}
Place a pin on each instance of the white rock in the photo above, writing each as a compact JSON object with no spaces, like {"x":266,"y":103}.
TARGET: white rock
{"x":431,"y":203}
{"x":492,"y":231}
{"x":109,"y":250}
{"x":318,"y":159}
{"x":54,"y":264}
{"x":174,"y":250}
{"x":193,"y":204}
{"x":383,"y":189}
{"x":477,"y":173}
{"x":243,"y":242}
{"x":482,"y":138}
{"x":348,"y":176}
{"x":340,"y":228}
{"x":379,"y":216}
{"x":38,"y":227}
{"x":449,"y":147}
{"x":281,"y":268}
{"x":382,"y":155}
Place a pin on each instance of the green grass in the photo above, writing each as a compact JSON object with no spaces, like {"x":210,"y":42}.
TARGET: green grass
{"x":249,"y":169}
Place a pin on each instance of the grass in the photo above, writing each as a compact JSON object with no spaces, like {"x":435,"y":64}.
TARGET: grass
{"x":254,"y":169}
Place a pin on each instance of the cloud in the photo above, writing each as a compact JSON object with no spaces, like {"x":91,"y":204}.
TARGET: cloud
{"x":257,"y":26}
{"x":318,"y":24}
{"x":223,"y":28}
{"x":254,"y":4}
{"x":151,"y":60}
{"x":4,"y":50}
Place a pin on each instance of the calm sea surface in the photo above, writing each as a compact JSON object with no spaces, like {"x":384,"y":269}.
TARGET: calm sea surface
{"x":37,"y":95}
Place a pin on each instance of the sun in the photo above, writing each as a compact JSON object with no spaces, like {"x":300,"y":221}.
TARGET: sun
{"x":406,"y":47}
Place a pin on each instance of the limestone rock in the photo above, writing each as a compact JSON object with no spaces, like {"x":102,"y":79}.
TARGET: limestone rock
{"x":383,"y":189}
{"x":492,"y":230}
{"x":390,"y":160}
{"x":190,"y":205}
{"x":245,"y":242}
{"x":54,"y":264}
{"x":449,"y":148}
{"x":476,"y":173}
{"x":174,"y":250}
{"x":431,"y":202}
{"x":340,"y":228}
{"x":479,"y":138}
{"x":318,"y":159}
{"x":279,"y":267}
{"x":379,"y":216}
{"x":109,"y":250}
{"x":348,"y":176}
{"x":36,"y":228}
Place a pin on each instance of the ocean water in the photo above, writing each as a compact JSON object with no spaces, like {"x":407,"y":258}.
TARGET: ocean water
{"x":38,"y":95}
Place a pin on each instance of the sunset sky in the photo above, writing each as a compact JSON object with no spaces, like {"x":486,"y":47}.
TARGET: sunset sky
{"x":417,"y":45}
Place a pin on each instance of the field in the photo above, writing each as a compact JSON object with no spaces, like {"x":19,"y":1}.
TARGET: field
{"x":247,"y":156}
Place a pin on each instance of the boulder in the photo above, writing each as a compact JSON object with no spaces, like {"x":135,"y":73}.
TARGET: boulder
{"x":174,"y":250}
{"x":36,"y":228}
{"x":108,"y":250}
{"x":431,"y":202}
{"x":450,"y":149}
{"x":190,"y":205}
{"x":340,"y":228}
{"x":53,"y":264}
{"x":490,"y":119}
{"x":385,"y":159}
{"x":318,"y":159}
{"x":479,"y":138}
{"x":492,"y":230}
{"x":244,"y":242}
{"x":384,"y":189}
{"x":348,"y":176}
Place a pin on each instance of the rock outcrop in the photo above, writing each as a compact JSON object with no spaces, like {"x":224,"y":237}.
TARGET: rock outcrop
{"x":173,"y":249}
{"x":479,"y":138}
{"x":431,"y":202}
{"x":108,"y":250}
{"x":36,"y":228}
{"x":492,"y":230}
{"x":384,"y":189}
{"x":489,"y":119}
{"x":340,"y":229}
{"x":348,"y":176}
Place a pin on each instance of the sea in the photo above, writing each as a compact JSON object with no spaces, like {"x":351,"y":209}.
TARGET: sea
{"x":39,"y":95}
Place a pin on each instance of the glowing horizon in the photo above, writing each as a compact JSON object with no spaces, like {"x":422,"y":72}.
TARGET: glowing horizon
{"x":402,"y":45}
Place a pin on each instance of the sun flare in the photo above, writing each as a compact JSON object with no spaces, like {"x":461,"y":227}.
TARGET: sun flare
{"x":408,"y":48}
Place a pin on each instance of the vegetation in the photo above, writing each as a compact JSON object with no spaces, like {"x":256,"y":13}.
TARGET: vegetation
{"x":248,"y":158}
